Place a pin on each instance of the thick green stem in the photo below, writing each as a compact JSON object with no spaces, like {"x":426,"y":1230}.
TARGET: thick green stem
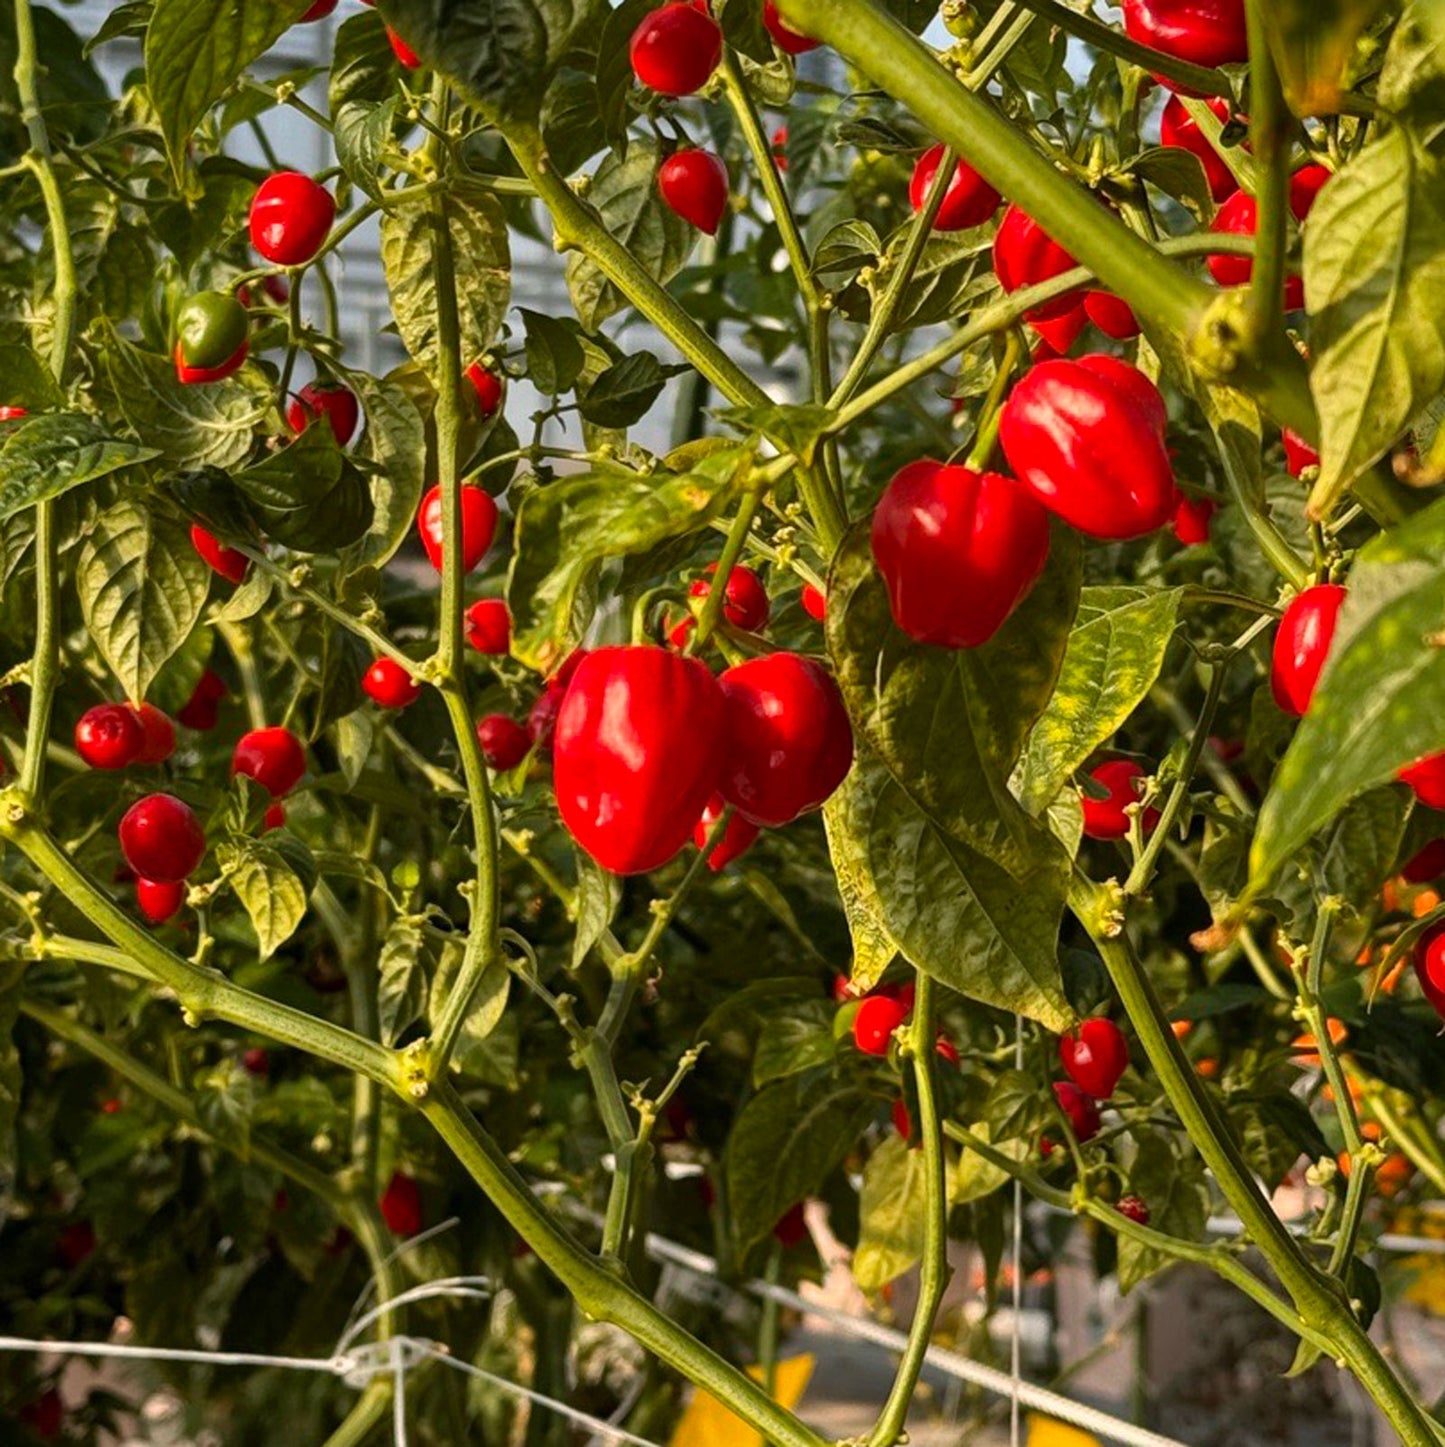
{"x":894,"y":59}
{"x":1269,"y":133}
{"x":1317,"y":1297}
{"x":600,"y":1293}
{"x":933,"y":1269}
{"x":484,"y":901}
{"x":1104,"y":37}
{"x":45,"y":665}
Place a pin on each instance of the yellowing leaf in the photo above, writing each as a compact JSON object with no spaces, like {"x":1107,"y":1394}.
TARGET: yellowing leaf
{"x":708,"y":1423}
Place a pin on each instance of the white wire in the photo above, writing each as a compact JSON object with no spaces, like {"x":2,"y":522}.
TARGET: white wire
{"x":462,"y":1287}
{"x":1051,"y":1404}
{"x":333,"y":1365}
{"x":398,"y":1396}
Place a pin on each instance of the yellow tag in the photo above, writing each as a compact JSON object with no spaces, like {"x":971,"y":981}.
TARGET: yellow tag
{"x":707,"y":1423}
{"x":1045,"y":1432}
{"x":1427,"y":1283}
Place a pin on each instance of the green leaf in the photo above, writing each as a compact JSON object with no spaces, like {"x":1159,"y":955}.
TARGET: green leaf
{"x":846,"y":248}
{"x":1178,"y":173}
{"x":555,"y":358}
{"x":796,"y":427}
{"x":476,"y":1052}
{"x":599,"y":894}
{"x":953,"y":912}
{"x":1115,"y":651}
{"x":395,"y":444}
{"x":269,"y":889}
{"x":614,"y":68}
{"x":796,"y":1038}
{"x":142,"y":587}
{"x":1375,"y":283}
{"x":196,"y":49}
{"x":572,"y":120}
{"x":891,"y":1211}
{"x":497,"y":51}
{"x":785,"y":1143}
{"x":974,"y":1178}
{"x":624,"y":192}
{"x":483,"y":260}
{"x":567,"y":528}
{"x":625,"y":391}
{"x":1172,"y":1187}
{"x":225,"y":1098}
{"x":950,"y":723}
{"x":743,"y":29}
{"x":874,"y":949}
{"x":1379,"y":701}
{"x":309,"y":496}
{"x":401,"y":990}
{"x":363,"y":67}
{"x":1412,"y":84}
{"x":48,"y":455}
{"x":211,"y":425}
{"x":28,"y":381}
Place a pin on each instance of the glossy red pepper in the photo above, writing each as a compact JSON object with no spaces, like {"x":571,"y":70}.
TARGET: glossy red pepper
{"x":211,"y":337}
{"x":968,"y":201}
{"x":1192,"y":516}
{"x":406,"y":57}
{"x":202,"y":710}
{"x":109,"y":736}
{"x":273,"y":757}
{"x":1132,"y":1208}
{"x":158,"y":734}
{"x":792,"y":1228}
{"x":12,"y":414}
{"x":789,"y":743}
{"x":479,"y":526}
{"x":1112,"y":315}
{"x":488,"y":387}
{"x":1427,"y":778}
{"x":489,"y":627}
{"x":676,"y":48}
{"x":1106,"y":818}
{"x":1239,"y":216}
{"x":738,"y":837}
{"x":291,"y":217}
{"x":815,"y":602}
{"x":1179,"y":129}
{"x":1203,"y":32}
{"x":401,"y":1205}
{"x":504,"y":742}
{"x":1024,"y":254}
{"x":789,"y":41}
{"x":1430,"y":967}
{"x":160,"y":900}
{"x":161,"y":838}
{"x":230,"y":563}
{"x":745,"y":600}
{"x":877,"y":1018}
{"x":273,"y":818}
{"x":256,"y":1061}
{"x":958,"y":551}
{"x":637,"y":750}
{"x":1082,"y":1113}
{"x":1087,"y":438}
{"x":779,"y":142}
{"x":1302,"y":643}
{"x":387,"y":684}
{"x":1095,"y":1057}
{"x":331,"y":400}
{"x":694,"y":183}
{"x":1298,"y":454}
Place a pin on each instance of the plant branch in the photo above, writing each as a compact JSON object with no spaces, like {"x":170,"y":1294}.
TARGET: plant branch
{"x":933,"y":1270}
{"x":1269,"y":135}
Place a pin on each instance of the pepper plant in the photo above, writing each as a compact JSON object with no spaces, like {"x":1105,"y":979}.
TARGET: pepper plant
{"x":1012,"y":754}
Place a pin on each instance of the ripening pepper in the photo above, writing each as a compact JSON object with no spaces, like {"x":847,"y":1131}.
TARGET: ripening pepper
{"x":210,"y":337}
{"x":1087,"y":438}
{"x":637,"y":753}
{"x":958,"y":550}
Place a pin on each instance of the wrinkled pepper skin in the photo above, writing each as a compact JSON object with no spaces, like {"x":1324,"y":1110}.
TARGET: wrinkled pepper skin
{"x":1087,"y":438}
{"x":638,"y":747}
{"x":788,"y":740}
{"x":958,"y":551}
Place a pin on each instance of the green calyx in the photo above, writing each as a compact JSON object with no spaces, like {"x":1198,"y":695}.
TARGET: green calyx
{"x":210,"y":328}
